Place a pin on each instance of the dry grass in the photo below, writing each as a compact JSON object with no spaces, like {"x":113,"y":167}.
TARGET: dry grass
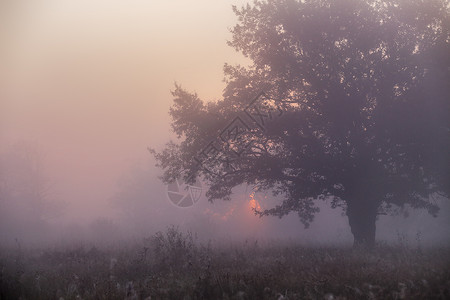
{"x":172,"y":265}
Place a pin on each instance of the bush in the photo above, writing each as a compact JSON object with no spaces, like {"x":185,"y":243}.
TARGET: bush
{"x":174,"y":248}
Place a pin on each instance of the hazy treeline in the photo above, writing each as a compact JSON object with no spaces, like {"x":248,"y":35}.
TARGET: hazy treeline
{"x":32,"y":214}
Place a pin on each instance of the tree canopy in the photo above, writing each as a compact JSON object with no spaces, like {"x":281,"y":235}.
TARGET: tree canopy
{"x":345,"y":99}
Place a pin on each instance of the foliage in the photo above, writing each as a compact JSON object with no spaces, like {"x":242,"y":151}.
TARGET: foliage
{"x":173,"y":247}
{"x":361,"y":91}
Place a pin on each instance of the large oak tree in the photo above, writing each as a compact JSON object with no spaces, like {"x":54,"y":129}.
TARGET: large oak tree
{"x":355,"y":108}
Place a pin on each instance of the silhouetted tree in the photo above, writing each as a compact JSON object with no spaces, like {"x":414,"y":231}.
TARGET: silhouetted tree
{"x":355,"y":108}
{"x":26,"y":204}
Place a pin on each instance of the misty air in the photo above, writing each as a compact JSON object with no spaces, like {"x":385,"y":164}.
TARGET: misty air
{"x":266,"y":149}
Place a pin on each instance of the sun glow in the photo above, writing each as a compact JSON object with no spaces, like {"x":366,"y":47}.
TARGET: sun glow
{"x":242,"y":212}
{"x":253,"y":203}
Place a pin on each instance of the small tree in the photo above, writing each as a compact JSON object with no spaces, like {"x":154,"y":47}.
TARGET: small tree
{"x":355,"y":108}
{"x":25,"y":198}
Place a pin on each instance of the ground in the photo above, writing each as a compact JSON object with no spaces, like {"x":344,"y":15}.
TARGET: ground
{"x":173,"y":265}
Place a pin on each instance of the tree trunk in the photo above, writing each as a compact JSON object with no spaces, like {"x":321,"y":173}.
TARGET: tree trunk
{"x":362,"y":216}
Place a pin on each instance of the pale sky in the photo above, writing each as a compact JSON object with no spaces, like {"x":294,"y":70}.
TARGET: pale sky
{"x":89,"y":81}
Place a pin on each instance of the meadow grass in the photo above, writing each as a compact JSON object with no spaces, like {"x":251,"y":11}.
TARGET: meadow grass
{"x":173,"y":265}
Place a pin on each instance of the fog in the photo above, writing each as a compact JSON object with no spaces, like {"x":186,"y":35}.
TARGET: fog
{"x":85,"y":89}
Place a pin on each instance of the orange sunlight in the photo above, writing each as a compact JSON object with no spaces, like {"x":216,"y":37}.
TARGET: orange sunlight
{"x":253,"y":203}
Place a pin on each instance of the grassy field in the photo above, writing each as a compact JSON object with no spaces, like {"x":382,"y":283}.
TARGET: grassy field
{"x":172,"y":265}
